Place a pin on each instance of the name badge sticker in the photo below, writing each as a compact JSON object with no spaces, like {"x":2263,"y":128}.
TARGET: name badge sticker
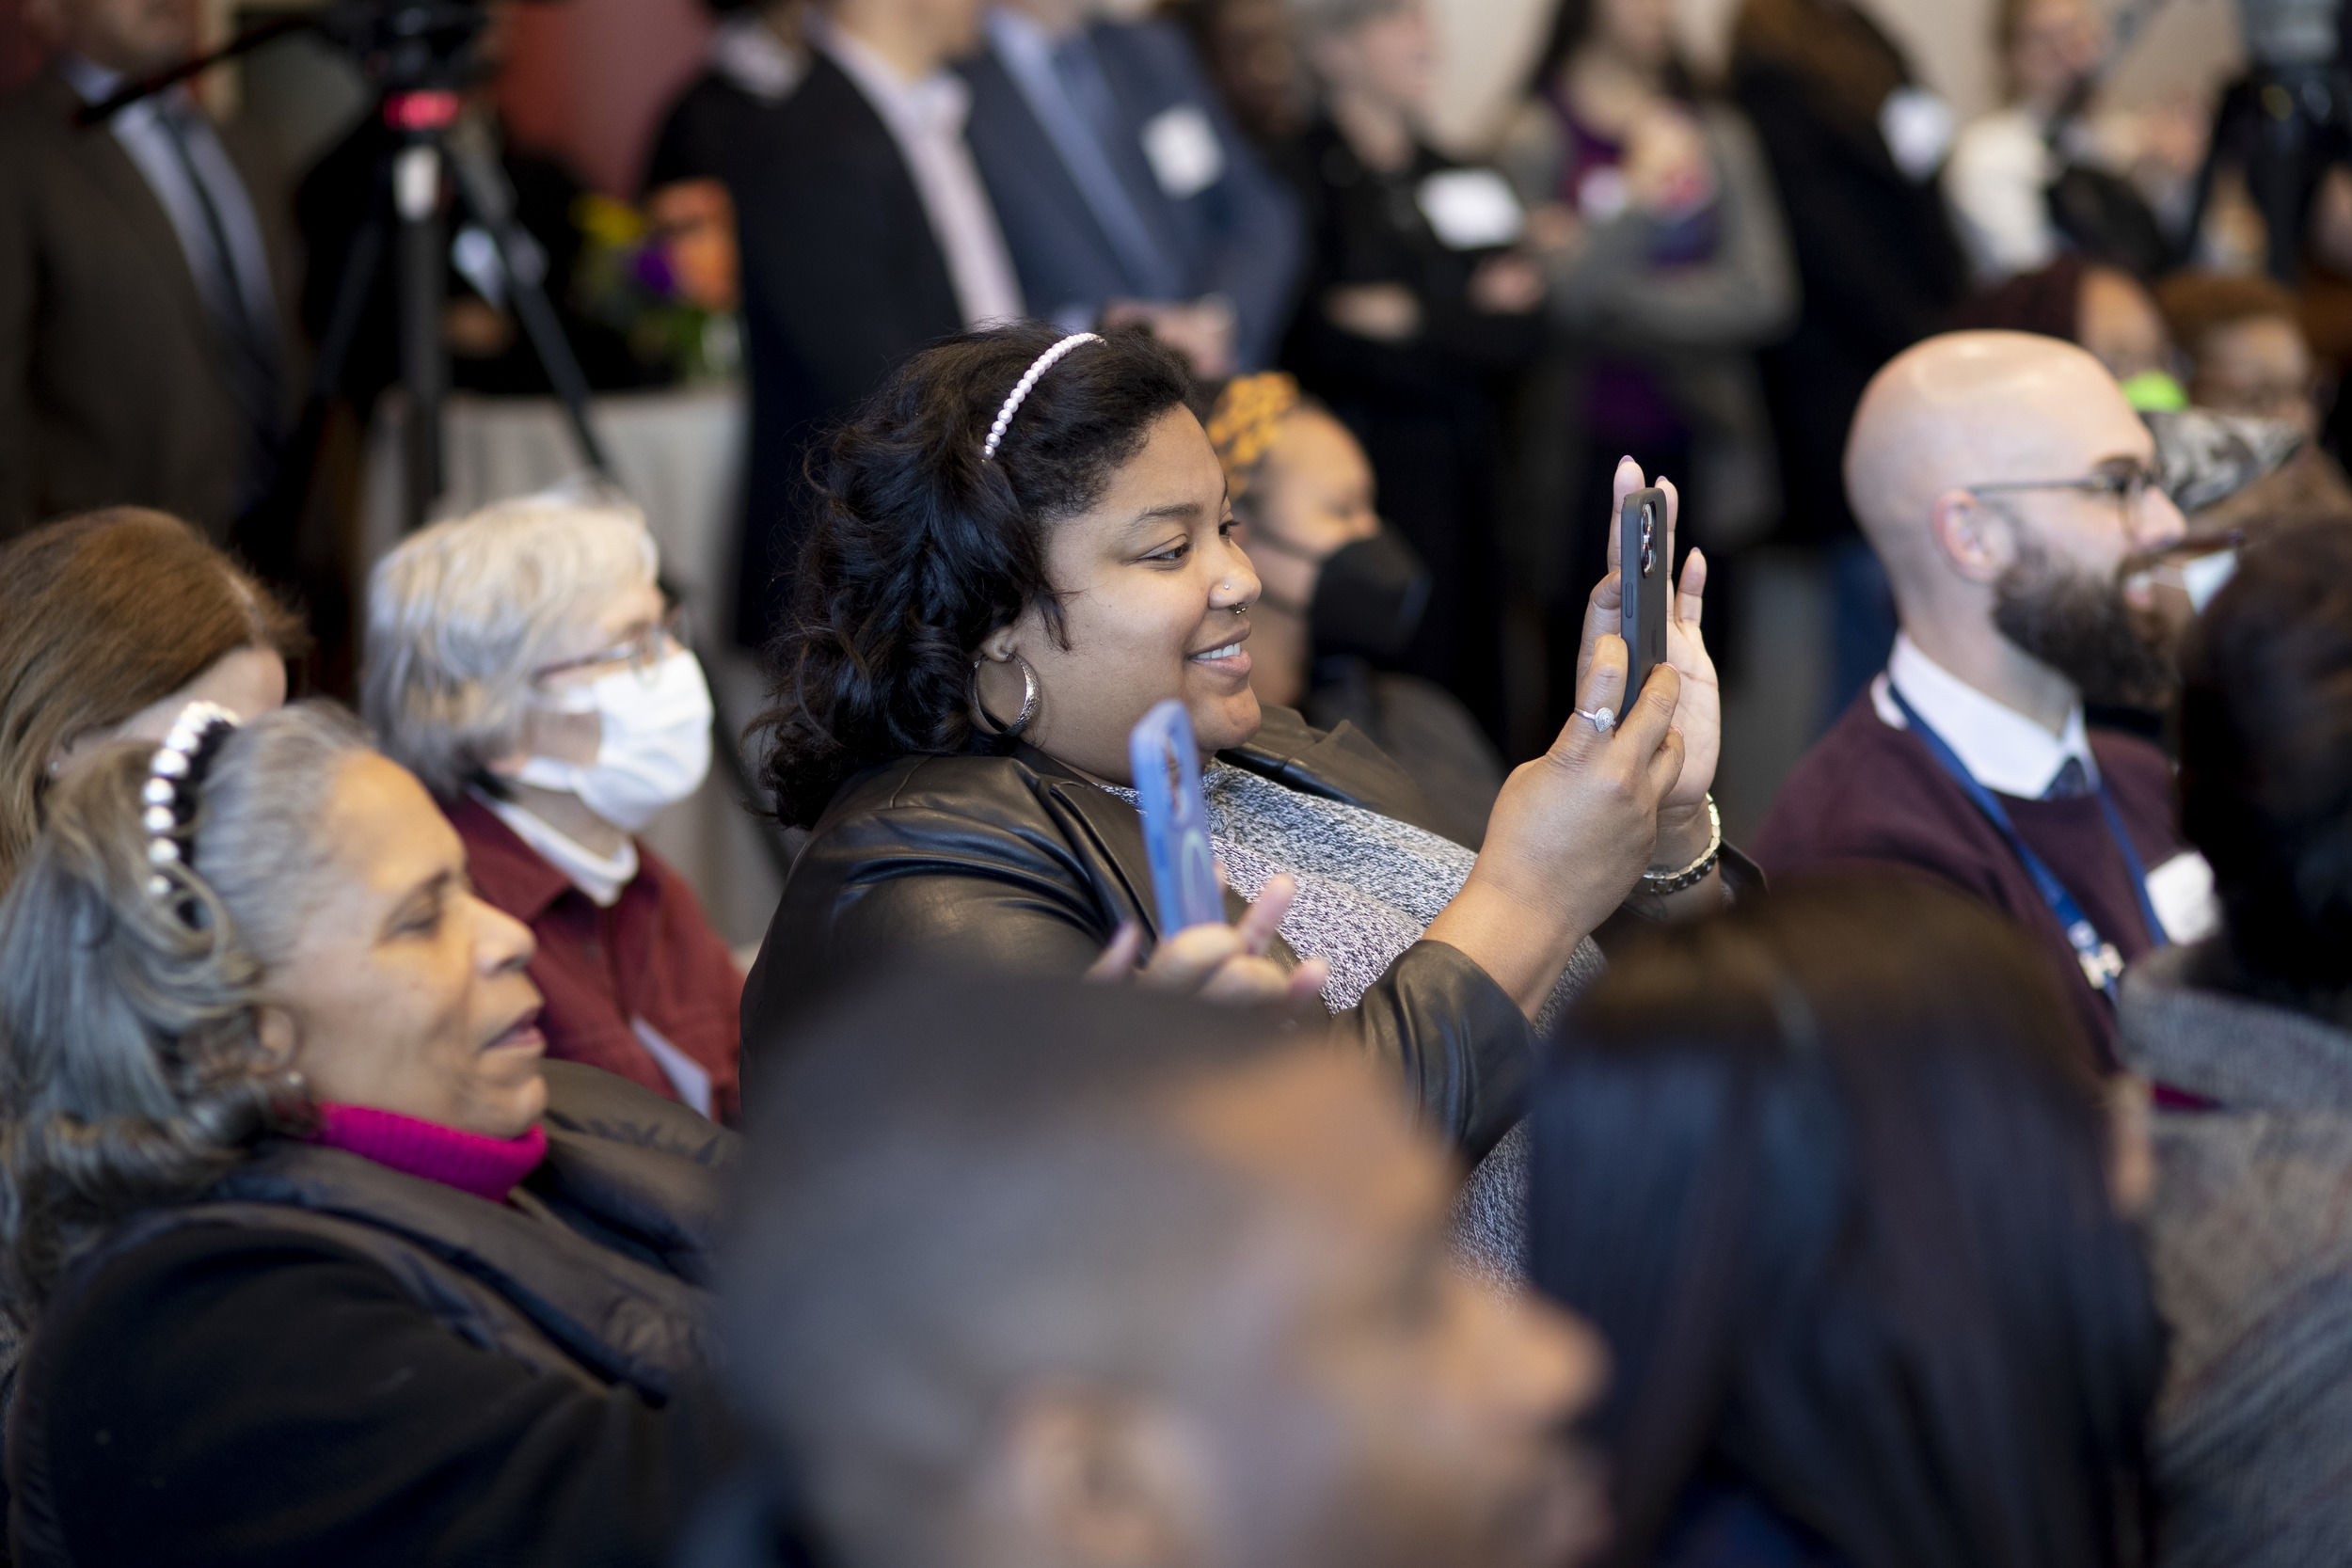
{"x":1184,"y":151}
{"x":1471,"y":208}
{"x":2182,"y":890}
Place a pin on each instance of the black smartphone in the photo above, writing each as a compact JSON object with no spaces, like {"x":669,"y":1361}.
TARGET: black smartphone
{"x":1642,"y":556}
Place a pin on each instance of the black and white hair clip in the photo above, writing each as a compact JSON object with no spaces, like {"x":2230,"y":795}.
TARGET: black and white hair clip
{"x":174,"y":776}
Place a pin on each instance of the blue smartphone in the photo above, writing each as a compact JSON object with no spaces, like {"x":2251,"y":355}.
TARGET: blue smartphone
{"x":1167,"y":765}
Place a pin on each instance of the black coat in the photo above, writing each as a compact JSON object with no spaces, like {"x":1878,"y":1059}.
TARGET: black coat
{"x":1426,"y":410}
{"x":326,"y":1360}
{"x":1876,"y":262}
{"x":842,"y":282}
{"x":1016,"y":863}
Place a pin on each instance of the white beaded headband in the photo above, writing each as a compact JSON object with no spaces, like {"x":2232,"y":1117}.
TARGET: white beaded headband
{"x":173,"y":775}
{"x":1020,"y":393}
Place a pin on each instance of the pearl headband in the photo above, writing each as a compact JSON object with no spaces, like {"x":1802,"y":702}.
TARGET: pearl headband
{"x":1020,"y":394}
{"x":173,"y":776}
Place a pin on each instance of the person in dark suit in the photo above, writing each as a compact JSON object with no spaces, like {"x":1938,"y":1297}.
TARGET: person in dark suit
{"x":869,"y":239}
{"x":1126,"y":190}
{"x":143,"y":290}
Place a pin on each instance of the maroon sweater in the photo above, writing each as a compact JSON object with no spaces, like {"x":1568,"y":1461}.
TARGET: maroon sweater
{"x":652,"y":955}
{"x":1872,"y":797}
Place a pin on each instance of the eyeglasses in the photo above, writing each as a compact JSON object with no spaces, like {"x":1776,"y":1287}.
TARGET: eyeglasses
{"x":643,"y":653}
{"x":2127,"y":479}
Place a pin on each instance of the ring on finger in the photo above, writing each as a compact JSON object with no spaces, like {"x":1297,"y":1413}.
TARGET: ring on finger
{"x":1603,"y":720}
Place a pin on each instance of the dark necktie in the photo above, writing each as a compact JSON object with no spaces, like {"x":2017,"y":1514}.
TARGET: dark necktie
{"x":250,"y":349}
{"x":2072,"y":784}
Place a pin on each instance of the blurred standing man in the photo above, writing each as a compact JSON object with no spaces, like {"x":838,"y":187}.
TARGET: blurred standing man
{"x":2005,"y":484}
{"x":870,"y":235}
{"x":1127,"y":193}
{"x":143,"y":342}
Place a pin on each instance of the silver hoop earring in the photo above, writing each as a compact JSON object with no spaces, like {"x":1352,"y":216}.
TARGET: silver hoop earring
{"x":981,"y":719}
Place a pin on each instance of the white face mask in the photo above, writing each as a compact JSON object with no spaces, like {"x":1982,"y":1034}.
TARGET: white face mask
{"x":656,"y":748}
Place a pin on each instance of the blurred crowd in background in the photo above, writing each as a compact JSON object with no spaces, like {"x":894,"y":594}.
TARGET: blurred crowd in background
{"x":1698,"y":266}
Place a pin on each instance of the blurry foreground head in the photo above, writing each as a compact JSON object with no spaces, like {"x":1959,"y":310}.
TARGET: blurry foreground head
{"x":1830,"y":1174}
{"x":110,"y":622}
{"x":2266,"y":763}
{"x":1039,"y":1274}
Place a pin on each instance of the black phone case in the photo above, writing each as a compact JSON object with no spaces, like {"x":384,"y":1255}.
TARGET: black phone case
{"x":1641,"y":556}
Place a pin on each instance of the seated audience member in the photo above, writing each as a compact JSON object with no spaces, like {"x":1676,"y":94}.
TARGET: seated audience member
{"x":2044,"y":173}
{"x":878,"y":166}
{"x":1084,"y":1279}
{"x":2103,"y":309}
{"x":2248,"y":1232}
{"x":1668,"y":265}
{"x":1414,"y":307}
{"x":2247,"y":354}
{"x":1832,"y":1176}
{"x":1126,"y":192}
{"x":1339,"y":594}
{"x":521,"y":661}
{"x":144,"y":283}
{"x":1024,"y":549}
{"x":110,"y":624}
{"x":320,"y":1264}
{"x":2005,"y":483}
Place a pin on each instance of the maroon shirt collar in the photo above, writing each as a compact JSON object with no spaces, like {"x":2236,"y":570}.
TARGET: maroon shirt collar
{"x":508,"y":872}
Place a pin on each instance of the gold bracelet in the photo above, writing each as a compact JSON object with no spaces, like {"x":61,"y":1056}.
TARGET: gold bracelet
{"x":1695,"y":872}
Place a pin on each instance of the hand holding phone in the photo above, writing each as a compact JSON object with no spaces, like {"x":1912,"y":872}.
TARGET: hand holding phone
{"x":1166,"y":761}
{"x":1644,"y":582}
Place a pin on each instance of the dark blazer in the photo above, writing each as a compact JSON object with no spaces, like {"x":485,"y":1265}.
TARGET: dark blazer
{"x":326,"y":1360}
{"x":842,"y":282}
{"x":1016,"y":863}
{"x":1240,"y":236}
{"x":112,"y":390}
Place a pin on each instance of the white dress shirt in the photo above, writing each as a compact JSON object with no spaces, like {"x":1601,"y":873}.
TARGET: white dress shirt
{"x":925,"y":119}
{"x":602,"y":878}
{"x":2003,"y":749}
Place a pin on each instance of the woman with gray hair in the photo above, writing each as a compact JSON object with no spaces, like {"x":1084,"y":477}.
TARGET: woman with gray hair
{"x":521,"y":662}
{"x":319,"y":1260}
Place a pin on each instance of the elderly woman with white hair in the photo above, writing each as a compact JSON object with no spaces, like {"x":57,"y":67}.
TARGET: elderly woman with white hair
{"x":522,"y":662}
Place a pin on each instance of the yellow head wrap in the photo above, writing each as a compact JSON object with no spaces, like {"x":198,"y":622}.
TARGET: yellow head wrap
{"x":1241,"y":427}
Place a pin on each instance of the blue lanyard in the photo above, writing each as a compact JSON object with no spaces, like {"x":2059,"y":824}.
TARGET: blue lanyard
{"x":2103,"y":963}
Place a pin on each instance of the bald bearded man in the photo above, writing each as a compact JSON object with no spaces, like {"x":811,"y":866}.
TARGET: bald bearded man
{"x":2004,"y":482}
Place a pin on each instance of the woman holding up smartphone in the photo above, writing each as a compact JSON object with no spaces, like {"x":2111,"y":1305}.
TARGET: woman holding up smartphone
{"x":1024,"y":547}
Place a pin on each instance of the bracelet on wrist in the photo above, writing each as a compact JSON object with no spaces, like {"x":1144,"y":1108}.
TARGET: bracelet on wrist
{"x":1661,"y":883}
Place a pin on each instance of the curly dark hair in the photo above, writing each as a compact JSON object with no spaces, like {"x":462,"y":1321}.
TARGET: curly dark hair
{"x":921,"y":548}
{"x":2265,"y":781}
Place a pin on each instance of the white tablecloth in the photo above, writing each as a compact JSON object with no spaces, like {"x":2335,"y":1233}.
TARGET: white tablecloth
{"x":680,"y":455}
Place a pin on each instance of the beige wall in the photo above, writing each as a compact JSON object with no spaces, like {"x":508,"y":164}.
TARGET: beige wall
{"x":2193,"y":43}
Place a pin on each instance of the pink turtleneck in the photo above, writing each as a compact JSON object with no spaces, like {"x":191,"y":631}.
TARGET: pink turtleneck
{"x":470,"y":1161}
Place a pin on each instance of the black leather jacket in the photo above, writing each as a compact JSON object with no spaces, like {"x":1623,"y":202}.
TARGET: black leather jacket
{"x":1017,"y":863}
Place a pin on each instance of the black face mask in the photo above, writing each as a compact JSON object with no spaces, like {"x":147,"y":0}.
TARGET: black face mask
{"x":1370,"y":598}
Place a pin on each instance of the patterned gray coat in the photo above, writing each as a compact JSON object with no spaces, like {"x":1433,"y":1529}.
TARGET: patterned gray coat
{"x":2251,"y":1242}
